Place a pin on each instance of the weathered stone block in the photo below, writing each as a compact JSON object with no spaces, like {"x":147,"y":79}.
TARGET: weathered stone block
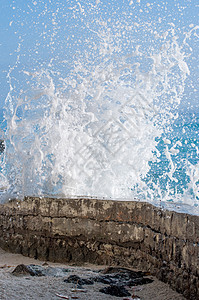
{"x":128,"y":233}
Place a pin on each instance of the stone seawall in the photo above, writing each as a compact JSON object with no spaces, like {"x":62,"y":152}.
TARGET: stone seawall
{"x":126,"y":233}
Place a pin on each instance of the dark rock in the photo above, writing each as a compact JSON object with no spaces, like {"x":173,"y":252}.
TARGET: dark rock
{"x":127,"y":272}
{"x":26,"y":270}
{"x":111,"y":279}
{"x":139,"y":281}
{"x":77,"y":280}
{"x":104,"y":279}
{"x":122,"y":277}
{"x":115,"y":290}
{"x":37,"y":270}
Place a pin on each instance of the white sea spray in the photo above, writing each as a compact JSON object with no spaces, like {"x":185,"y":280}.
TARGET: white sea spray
{"x":92,"y":125}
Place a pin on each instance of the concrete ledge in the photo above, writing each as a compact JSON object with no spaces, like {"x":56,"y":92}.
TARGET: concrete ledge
{"x":128,"y":233}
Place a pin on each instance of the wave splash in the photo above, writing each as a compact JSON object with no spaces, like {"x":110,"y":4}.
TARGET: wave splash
{"x":101,"y":124}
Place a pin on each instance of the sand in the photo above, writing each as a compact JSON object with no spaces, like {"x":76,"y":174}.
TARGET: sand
{"x":28,"y":287}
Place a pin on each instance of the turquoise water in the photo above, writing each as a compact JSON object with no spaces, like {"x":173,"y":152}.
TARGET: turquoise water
{"x":186,"y":131}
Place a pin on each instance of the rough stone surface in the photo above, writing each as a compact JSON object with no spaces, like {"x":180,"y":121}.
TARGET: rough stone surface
{"x":126,"y":233}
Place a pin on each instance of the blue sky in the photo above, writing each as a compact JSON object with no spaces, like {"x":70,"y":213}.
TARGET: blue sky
{"x":39,"y":31}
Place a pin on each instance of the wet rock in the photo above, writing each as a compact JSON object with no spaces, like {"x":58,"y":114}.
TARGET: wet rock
{"x":26,"y":270}
{"x":36,"y":270}
{"x":130,"y":273}
{"x":80,"y":281}
{"x":105,"y":279}
{"x":139,"y":281}
{"x":115,"y":290}
{"x":122,"y":276}
{"x":55,"y":272}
